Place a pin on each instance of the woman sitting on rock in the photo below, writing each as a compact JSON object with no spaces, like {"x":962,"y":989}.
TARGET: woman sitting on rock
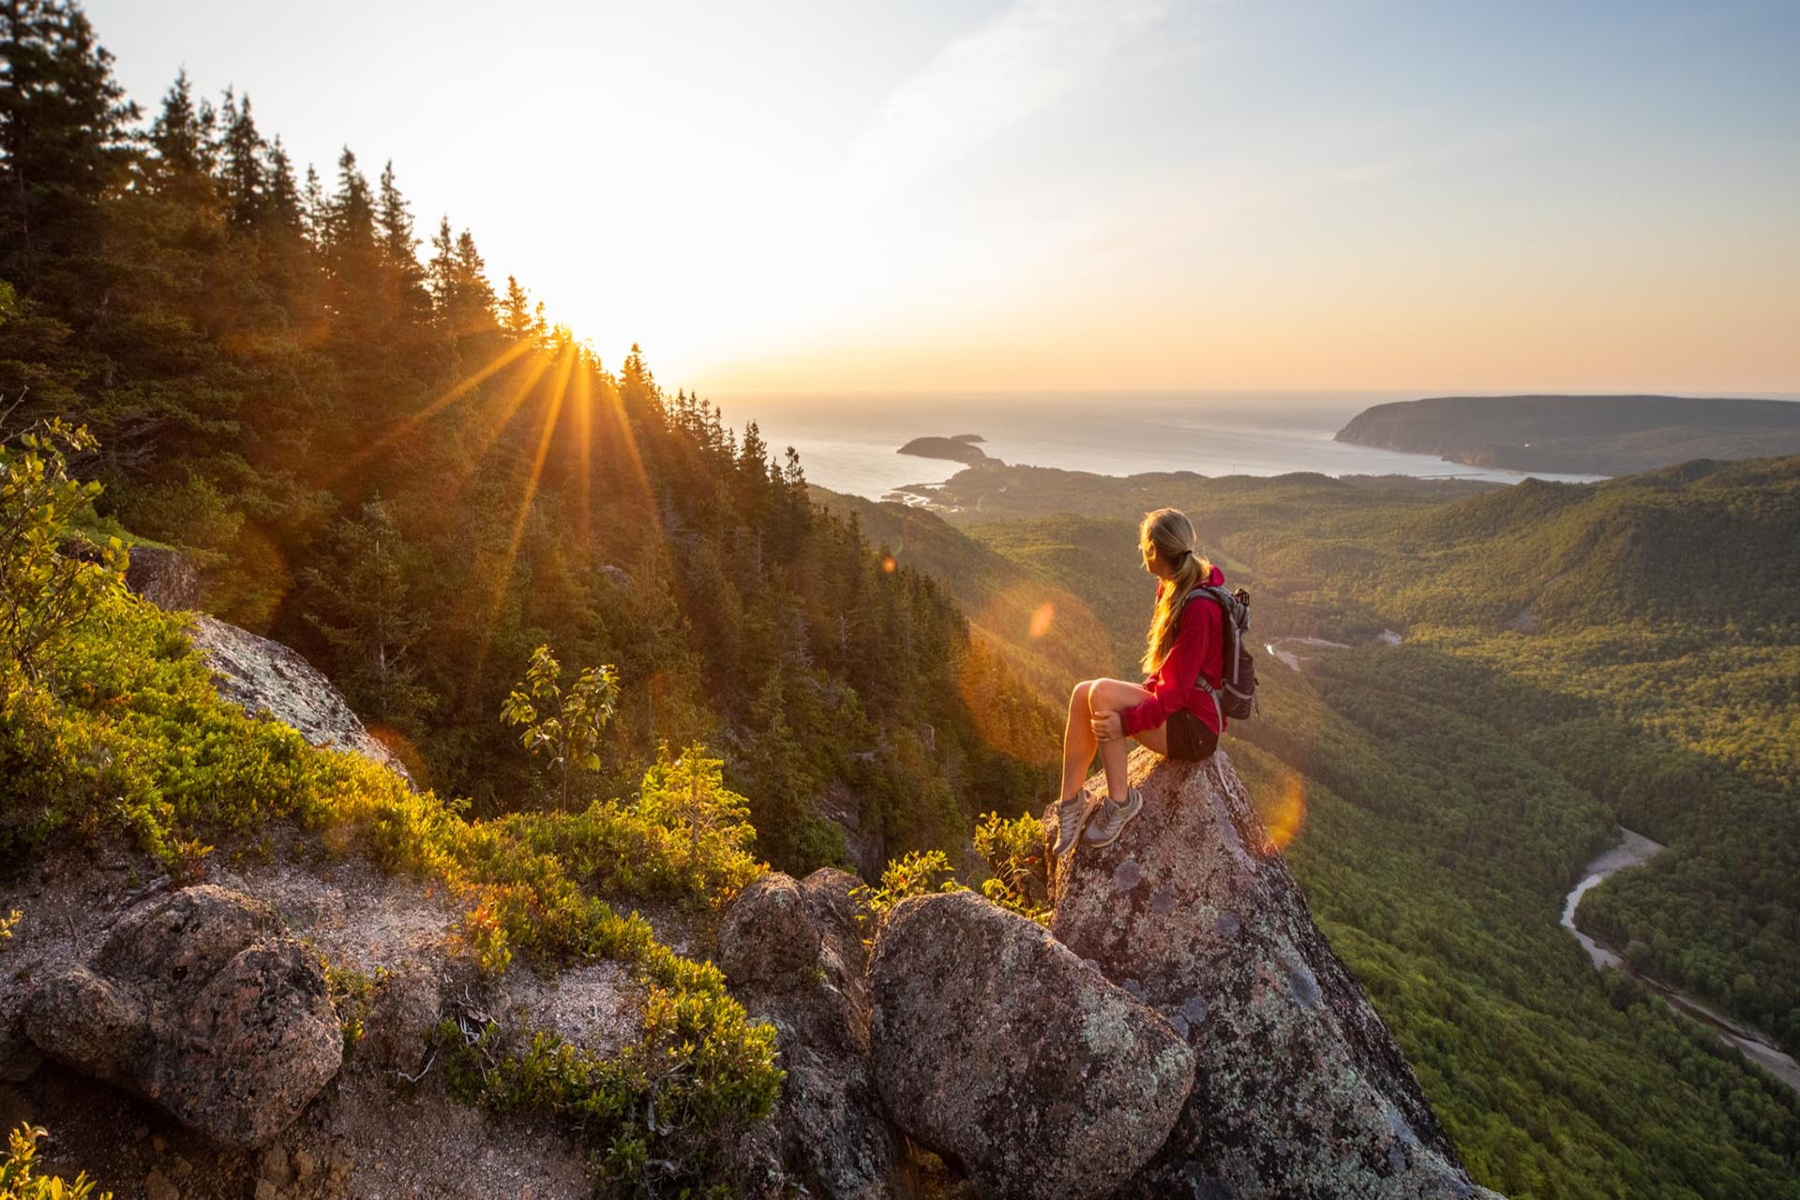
{"x":1171,"y":713}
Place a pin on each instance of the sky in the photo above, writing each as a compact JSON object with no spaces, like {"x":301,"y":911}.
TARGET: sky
{"x":840,"y":195}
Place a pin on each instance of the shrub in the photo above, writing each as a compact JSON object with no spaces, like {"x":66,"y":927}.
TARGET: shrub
{"x":1014,"y":851}
{"x":17,"y":1182}
{"x":47,"y":589}
{"x":920,"y":873}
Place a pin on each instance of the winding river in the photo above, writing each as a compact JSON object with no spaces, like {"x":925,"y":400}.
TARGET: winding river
{"x":1631,"y":850}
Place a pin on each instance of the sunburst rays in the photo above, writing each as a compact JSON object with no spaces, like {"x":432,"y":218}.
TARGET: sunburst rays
{"x":565,"y":383}
{"x":387,"y":442}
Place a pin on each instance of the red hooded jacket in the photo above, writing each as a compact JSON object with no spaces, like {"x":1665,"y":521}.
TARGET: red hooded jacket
{"x":1199,"y":646}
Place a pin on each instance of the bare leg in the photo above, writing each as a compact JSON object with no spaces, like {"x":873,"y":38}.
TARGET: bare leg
{"x":1078,"y":741}
{"x":1115,"y":695}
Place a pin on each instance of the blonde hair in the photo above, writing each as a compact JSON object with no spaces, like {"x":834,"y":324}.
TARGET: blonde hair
{"x":1169,"y":533}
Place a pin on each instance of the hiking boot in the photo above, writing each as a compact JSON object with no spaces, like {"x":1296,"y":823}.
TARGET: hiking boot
{"x":1069,"y":815}
{"x":1112,"y":819}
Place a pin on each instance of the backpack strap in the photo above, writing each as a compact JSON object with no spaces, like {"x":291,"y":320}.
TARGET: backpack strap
{"x":1228,"y":654}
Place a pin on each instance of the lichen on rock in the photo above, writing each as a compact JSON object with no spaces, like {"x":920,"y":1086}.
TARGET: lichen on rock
{"x":1300,"y":1089}
{"x":793,"y":953}
{"x":198,"y":1003}
{"x":997,"y":1048}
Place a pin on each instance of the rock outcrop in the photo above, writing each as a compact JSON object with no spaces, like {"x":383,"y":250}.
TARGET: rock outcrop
{"x":166,"y":578}
{"x":265,"y":676}
{"x":257,"y":674}
{"x":793,"y":954}
{"x":996,"y":1047}
{"x":1299,"y":1089}
{"x":197,"y":1002}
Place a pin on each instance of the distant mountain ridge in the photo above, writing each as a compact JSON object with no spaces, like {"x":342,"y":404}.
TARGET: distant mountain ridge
{"x":1590,"y":435}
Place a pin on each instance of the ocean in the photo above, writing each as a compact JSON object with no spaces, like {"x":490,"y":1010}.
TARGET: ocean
{"x":848,"y":441}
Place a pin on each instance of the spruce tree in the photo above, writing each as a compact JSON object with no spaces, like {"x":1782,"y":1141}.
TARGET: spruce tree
{"x":283,"y":202}
{"x":352,"y":259}
{"x":515,"y":309}
{"x":182,"y":139}
{"x":242,"y":164}
{"x":361,"y":604}
{"x":315,"y":209}
{"x":64,"y":143}
{"x":403,"y":277}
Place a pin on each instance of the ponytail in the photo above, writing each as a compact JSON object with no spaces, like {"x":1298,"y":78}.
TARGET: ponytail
{"x":1171,"y":535}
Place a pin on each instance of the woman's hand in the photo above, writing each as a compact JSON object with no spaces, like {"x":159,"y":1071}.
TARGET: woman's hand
{"x":1108,"y":727}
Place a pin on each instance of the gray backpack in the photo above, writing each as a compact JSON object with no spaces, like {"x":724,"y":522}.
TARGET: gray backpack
{"x":1234,"y":695}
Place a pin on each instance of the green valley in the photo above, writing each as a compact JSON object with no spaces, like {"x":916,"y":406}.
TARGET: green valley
{"x":1573,"y":657}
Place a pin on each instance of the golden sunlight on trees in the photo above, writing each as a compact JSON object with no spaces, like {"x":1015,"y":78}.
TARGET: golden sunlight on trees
{"x":563,"y":727}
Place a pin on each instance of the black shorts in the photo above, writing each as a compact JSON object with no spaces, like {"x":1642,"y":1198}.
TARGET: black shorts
{"x":1190,"y":738}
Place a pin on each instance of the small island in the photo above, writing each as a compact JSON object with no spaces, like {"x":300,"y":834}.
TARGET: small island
{"x":960,"y":448}
{"x":1581,"y":435}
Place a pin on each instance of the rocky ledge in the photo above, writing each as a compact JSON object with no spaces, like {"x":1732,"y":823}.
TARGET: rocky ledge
{"x":1181,"y":1029}
{"x":1299,"y":1087}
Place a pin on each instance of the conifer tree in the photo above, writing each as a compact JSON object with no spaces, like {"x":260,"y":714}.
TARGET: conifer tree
{"x":782,"y":788}
{"x":352,"y":257}
{"x":441,"y":270}
{"x":515,"y":309}
{"x":242,"y":164}
{"x":64,"y":142}
{"x":182,"y":139}
{"x":476,"y":293}
{"x":284,"y":204}
{"x":404,"y":277}
{"x":753,"y":475}
{"x":361,"y":604}
{"x":315,"y":209}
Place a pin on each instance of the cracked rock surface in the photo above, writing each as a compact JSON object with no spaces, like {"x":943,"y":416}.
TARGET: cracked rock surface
{"x":999,"y":1049}
{"x":198,"y":1003}
{"x":1299,"y":1088}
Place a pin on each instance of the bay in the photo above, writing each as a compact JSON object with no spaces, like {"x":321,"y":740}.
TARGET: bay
{"x":847,"y":441}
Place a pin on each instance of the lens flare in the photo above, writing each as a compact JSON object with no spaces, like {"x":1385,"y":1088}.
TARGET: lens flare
{"x":888,"y":564}
{"x":402,"y":748}
{"x":1284,"y":812}
{"x":1054,"y":637}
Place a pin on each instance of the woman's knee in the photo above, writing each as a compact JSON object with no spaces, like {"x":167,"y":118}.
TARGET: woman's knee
{"x":1078,"y":699}
{"x":1108,"y":695}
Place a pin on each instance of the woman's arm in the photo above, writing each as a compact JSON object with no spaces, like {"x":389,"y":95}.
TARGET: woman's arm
{"x":1179,"y":675}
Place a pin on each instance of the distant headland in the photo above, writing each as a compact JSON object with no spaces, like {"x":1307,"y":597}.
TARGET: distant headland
{"x":959,"y":448}
{"x":1586,"y":435}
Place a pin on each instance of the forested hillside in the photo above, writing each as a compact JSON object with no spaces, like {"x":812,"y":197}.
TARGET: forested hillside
{"x":1573,"y":656}
{"x":1602,"y":435}
{"x":383,"y":457}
